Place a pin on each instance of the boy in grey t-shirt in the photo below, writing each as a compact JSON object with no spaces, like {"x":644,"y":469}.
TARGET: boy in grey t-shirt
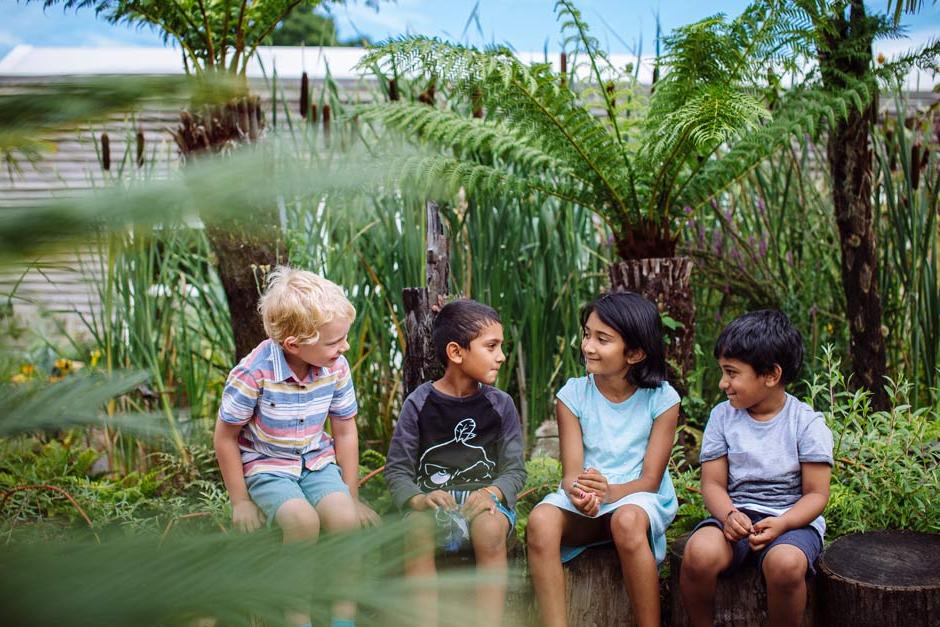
{"x":766,"y":463}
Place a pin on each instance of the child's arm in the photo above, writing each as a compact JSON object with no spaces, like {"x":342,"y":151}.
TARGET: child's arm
{"x":816,"y":477}
{"x":715,"y":494}
{"x":245,"y":514}
{"x":572,"y":459}
{"x":510,"y":465}
{"x":346,"y":446}
{"x":658,"y":450}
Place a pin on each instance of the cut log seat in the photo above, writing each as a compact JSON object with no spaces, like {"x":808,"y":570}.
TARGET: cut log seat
{"x":740,"y":600}
{"x":594,"y":590}
{"x":881,"y":578}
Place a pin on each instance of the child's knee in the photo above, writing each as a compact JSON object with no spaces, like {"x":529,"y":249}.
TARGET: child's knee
{"x":628,"y":527}
{"x":543,"y":530}
{"x":338,"y":511}
{"x":784,"y":567}
{"x":488,"y":533}
{"x":706,"y":552}
{"x":298,"y":520}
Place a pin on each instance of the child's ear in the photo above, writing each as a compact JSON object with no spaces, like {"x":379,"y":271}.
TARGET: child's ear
{"x":773,"y":377}
{"x":454,"y":352}
{"x":635,"y":356}
{"x":290,"y":345}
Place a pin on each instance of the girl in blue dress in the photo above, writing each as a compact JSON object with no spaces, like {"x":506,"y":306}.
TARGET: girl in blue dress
{"x":616,"y":427}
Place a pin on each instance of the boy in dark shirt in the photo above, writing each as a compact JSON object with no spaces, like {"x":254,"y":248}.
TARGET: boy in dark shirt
{"x":457,"y":454}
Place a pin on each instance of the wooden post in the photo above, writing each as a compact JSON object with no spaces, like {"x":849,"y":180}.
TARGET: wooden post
{"x":420,"y":362}
{"x":881,"y":578}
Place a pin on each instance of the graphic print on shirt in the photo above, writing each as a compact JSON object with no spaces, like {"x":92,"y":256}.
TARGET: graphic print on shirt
{"x":455,"y":461}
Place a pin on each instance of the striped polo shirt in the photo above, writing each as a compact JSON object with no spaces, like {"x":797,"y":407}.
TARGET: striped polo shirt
{"x":283,"y":418}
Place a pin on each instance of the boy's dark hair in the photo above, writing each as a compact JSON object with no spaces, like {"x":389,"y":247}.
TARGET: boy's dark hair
{"x":761,"y":339}
{"x":460,"y":321}
{"x":637,"y":321}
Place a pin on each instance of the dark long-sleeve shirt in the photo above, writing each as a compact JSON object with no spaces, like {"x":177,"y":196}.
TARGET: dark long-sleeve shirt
{"x":443,"y":442}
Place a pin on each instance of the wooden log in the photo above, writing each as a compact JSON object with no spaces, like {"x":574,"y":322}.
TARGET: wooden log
{"x":740,"y":600}
{"x":420,"y":363}
{"x":881,"y":578}
{"x":594,"y":590}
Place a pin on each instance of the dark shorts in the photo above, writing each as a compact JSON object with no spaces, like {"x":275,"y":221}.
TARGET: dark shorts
{"x":805,"y":539}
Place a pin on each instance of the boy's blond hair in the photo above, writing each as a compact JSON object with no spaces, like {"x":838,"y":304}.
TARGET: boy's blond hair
{"x":297,"y":303}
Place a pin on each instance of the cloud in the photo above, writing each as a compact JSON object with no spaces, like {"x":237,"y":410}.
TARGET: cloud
{"x":405,"y":16}
{"x":9,"y":39}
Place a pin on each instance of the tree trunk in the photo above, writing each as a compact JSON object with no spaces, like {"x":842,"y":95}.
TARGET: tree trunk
{"x":595,"y":594}
{"x":666,"y":282}
{"x":246,"y":247}
{"x":881,"y":579}
{"x":421,"y":364}
{"x":847,"y":53}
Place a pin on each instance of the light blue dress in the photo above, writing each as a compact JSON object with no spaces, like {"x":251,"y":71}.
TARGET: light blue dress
{"x":615,"y":437}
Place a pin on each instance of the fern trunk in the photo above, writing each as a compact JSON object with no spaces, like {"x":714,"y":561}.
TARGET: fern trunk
{"x":245,"y":247}
{"x":848,"y":54}
{"x":667,"y":283}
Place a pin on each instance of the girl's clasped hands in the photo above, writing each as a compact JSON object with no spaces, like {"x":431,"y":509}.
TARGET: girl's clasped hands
{"x":589,"y":491}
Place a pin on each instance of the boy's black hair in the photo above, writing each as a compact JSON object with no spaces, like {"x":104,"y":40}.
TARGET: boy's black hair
{"x":761,"y":339}
{"x":460,"y":321}
{"x":637,"y":321}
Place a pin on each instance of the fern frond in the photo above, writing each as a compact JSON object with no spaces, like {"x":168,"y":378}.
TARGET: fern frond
{"x":471,"y":137}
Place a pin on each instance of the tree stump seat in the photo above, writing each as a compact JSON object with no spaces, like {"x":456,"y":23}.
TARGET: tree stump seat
{"x":740,"y":599}
{"x":594,"y":591}
{"x":883,"y":578}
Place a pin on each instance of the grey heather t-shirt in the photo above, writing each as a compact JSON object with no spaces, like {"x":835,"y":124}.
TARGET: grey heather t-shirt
{"x":764,"y":457}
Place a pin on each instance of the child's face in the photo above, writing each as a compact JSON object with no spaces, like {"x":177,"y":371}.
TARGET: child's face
{"x":605,"y":352}
{"x":483,"y":359}
{"x":744,"y":387}
{"x":332,"y":343}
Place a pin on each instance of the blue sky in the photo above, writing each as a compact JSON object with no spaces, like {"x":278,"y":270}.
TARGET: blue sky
{"x":527,"y":25}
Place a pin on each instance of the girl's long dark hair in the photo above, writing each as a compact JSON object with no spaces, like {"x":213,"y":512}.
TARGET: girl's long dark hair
{"x":637,"y":321}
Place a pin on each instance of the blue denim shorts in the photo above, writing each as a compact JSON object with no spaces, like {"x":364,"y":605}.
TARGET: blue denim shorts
{"x":805,"y":539}
{"x":269,"y":491}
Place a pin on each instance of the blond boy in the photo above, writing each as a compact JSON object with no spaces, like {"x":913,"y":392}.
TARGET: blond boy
{"x":277,"y":460}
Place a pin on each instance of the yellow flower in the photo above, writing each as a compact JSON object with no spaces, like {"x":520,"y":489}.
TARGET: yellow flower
{"x":27,"y":370}
{"x":62,"y":365}
{"x":95,"y":357}
{"x":18,"y":378}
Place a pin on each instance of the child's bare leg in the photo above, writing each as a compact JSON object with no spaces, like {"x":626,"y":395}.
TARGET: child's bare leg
{"x":419,"y":565}
{"x":706,"y":555}
{"x":488,"y":533}
{"x":785,"y":572}
{"x":299,"y":522}
{"x":548,"y":527}
{"x":338,"y":513}
{"x":543,"y":541}
{"x":628,"y":528}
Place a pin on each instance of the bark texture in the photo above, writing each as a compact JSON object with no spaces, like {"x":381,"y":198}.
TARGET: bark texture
{"x":420,"y":302}
{"x":881,"y":579}
{"x":667,"y":283}
{"x":845,"y":56}
{"x":594,"y":590}
{"x":245,"y":247}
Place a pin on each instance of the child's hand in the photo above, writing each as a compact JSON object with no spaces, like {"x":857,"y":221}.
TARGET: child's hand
{"x":367,"y":515}
{"x":587,"y":503}
{"x":434,"y":500}
{"x":477,"y":502}
{"x":593,"y":481}
{"x":737,"y":526}
{"x":766,"y":530}
{"x":246,"y":517}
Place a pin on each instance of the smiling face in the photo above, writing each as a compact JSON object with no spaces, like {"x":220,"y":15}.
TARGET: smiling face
{"x":331,"y":344}
{"x":484,"y":357}
{"x":605,"y":352}
{"x":744,"y":387}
